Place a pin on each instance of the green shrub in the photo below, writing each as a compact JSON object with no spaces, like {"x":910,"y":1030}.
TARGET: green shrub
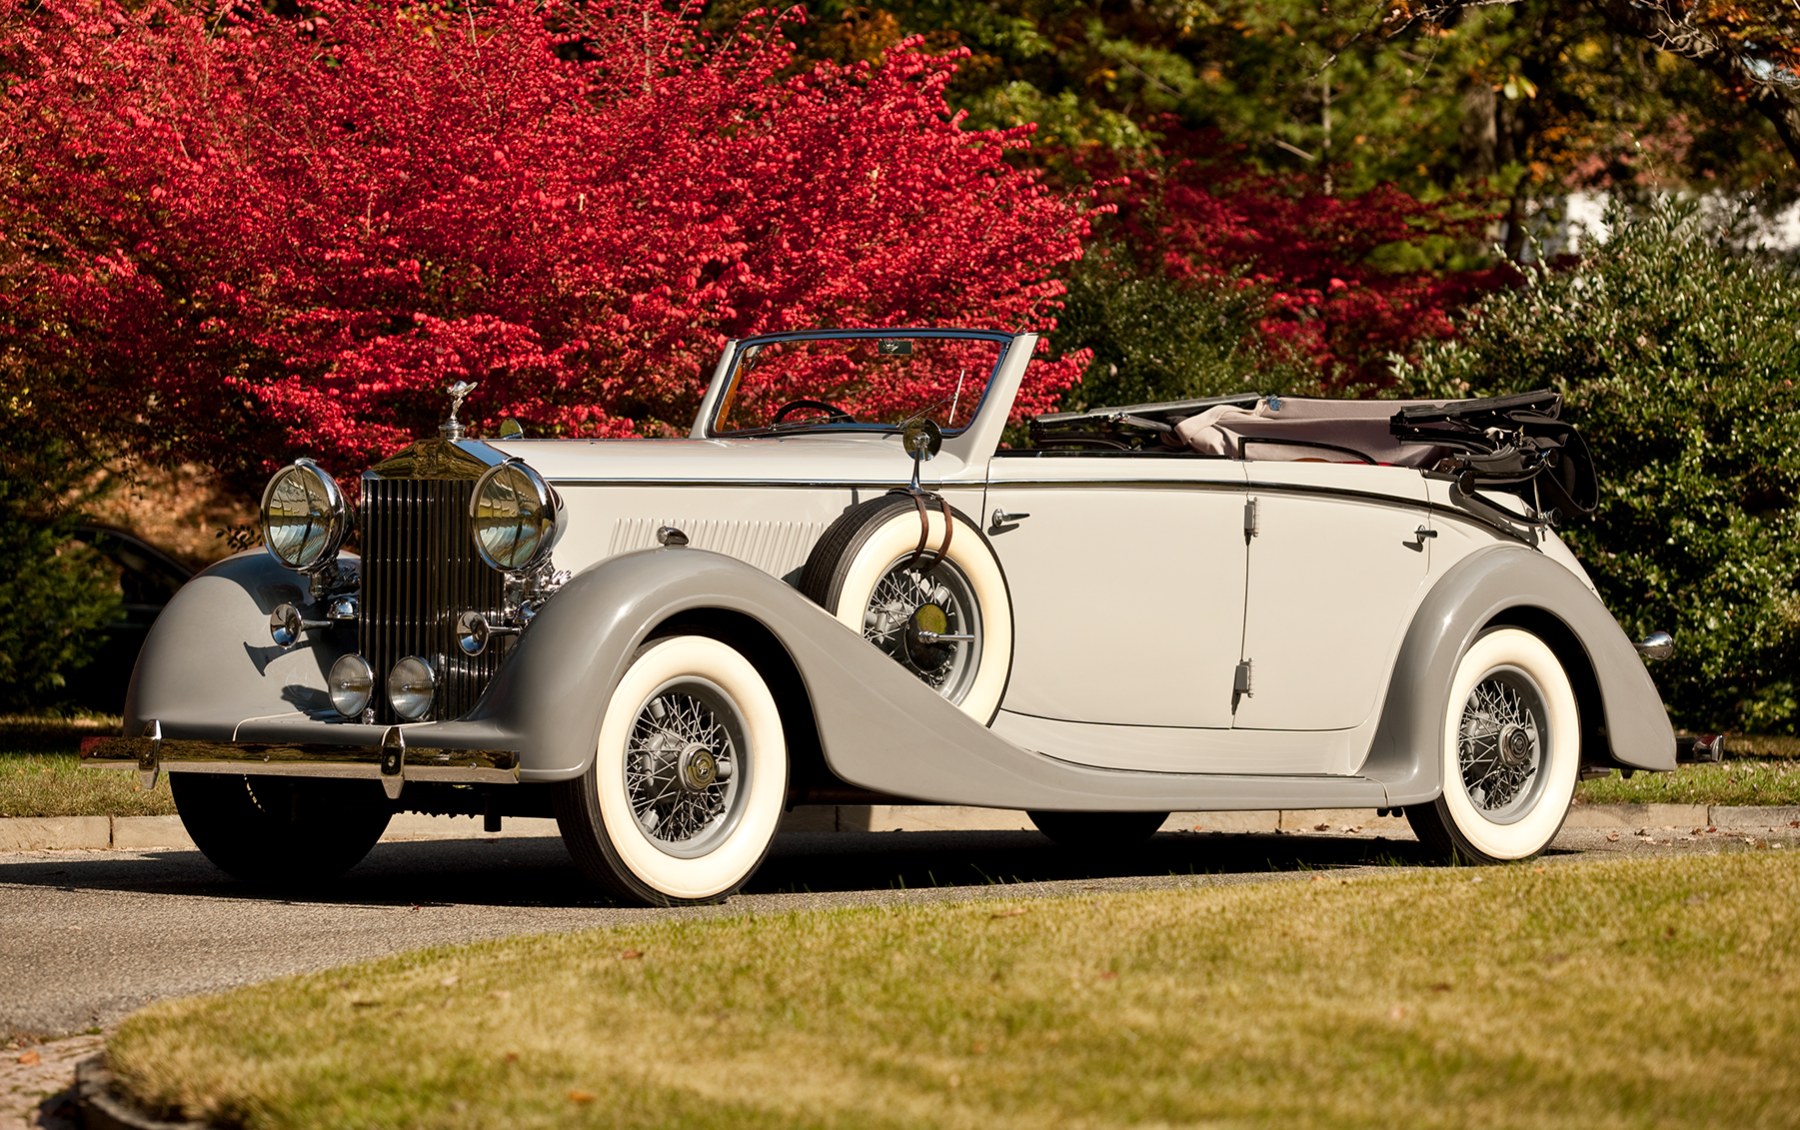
{"x":1157,"y":338}
{"x":55,"y":592}
{"x":1678,"y":355}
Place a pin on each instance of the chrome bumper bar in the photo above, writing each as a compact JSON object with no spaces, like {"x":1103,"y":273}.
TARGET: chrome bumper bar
{"x":392,"y":762}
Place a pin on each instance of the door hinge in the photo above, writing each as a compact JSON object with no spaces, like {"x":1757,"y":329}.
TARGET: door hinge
{"x":1249,"y":519}
{"x":1240,"y":679}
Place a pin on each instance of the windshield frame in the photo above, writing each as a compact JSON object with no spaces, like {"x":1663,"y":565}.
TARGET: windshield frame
{"x":718,"y":396}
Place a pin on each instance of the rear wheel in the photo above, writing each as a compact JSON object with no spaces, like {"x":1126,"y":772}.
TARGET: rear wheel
{"x":1098,"y":830}
{"x":688,"y":781}
{"x":1511,"y":750}
{"x":280,"y":831}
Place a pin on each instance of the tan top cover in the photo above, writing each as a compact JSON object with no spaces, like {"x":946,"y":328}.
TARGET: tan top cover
{"x":1347,"y":425}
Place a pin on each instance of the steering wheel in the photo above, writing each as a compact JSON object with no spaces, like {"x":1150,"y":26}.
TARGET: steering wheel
{"x":833,"y":414}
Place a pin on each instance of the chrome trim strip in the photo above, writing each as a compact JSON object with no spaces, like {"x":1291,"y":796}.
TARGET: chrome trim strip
{"x":420,"y":763}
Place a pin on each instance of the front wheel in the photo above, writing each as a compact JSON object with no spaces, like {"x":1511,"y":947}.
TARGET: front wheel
{"x":688,"y":781}
{"x":1511,"y":753}
{"x":280,"y":831}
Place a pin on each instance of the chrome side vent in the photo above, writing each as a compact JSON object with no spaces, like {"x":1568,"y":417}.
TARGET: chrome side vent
{"x":419,"y":572}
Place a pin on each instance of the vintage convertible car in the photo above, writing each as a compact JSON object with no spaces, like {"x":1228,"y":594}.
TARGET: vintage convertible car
{"x":852,"y":582}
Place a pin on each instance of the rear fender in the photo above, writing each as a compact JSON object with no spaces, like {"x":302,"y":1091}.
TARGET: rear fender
{"x":1623,"y":720}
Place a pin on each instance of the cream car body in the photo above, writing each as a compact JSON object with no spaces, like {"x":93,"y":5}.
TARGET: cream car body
{"x":1113,"y":627}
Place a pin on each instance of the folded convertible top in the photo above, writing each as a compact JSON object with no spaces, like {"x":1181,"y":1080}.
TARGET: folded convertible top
{"x":1514,"y":443}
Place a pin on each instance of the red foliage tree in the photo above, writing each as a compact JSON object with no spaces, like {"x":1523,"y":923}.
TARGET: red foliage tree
{"x":252,"y":237}
{"x":1349,"y":280}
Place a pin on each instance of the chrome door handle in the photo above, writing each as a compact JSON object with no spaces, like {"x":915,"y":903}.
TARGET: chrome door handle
{"x":1000,"y":519}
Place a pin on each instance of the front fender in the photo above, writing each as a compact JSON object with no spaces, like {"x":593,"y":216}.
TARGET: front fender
{"x":1622,"y":713}
{"x":208,"y":662}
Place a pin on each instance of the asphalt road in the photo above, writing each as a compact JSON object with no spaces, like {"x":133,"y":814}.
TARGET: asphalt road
{"x":86,"y":937}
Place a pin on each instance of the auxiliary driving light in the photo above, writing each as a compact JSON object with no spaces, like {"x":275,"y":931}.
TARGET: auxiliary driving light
{"x":352,"y":685}
{"x":410,"y":687}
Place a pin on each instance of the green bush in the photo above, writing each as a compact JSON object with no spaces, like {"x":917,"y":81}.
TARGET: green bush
{"x":1156,"y":338}
{"x":55,"y":592}
{"x":1678,"y":354}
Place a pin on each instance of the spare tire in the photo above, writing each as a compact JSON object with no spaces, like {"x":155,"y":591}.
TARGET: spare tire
{"x":943,"y":612}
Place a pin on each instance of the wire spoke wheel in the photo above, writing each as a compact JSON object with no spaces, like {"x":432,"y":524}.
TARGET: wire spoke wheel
{"x":683,"y":771}
{"x":1500,"y":743}
{"x":926,"y":589}
{"x":1511,"y":752}
{"x":688,"y":780}
{"x":911,"y":608}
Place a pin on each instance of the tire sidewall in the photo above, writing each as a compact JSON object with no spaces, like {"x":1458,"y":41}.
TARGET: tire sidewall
{"x":891,"y":535}
{"x":1560,"y":767}
{"x":633,"y":855}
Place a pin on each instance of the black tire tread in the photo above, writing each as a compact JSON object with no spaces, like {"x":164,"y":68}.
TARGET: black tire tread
{"x":328,"y":828}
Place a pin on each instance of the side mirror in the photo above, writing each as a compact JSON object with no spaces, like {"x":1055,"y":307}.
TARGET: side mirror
{"x":922,"y":439}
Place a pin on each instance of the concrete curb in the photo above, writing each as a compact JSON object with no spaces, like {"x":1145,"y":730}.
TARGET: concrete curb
{"x":165,"y":833}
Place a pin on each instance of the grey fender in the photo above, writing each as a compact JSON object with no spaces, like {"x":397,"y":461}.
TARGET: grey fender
{"x":1623,"y":722}
{"x":208,"y":662}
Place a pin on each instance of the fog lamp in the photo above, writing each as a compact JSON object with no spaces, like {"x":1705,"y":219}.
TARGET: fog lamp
{"x":410,"y":687}
{"x":352,"y":684}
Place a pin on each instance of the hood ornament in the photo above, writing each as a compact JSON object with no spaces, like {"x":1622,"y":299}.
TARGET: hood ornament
{"x":452,"y":429}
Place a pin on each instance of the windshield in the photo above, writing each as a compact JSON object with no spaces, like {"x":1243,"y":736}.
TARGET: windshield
{"x":867,"y":379}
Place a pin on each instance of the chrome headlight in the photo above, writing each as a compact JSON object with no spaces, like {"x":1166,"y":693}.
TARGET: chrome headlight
{"x":514,"y":515}
{"x":304,"y":518}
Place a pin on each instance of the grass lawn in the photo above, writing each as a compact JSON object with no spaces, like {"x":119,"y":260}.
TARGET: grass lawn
{"x":39,"y":774}
{"x":1659,"y":992}
{"x":54,"y":784}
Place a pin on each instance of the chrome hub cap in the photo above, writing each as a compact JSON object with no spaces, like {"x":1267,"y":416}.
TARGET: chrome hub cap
{"x":1500,"y":745}
{"x":682,"y":765}
{"x":699,"y":769}
{"x":908,"y":613}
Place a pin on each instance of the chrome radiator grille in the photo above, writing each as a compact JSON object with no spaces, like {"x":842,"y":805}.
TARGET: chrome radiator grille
{"x":419,"y":571}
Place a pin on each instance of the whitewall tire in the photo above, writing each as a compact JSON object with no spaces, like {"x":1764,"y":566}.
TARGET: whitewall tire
{"x":689,"y":777}
{"x":868,"y":572}
{"x":1510,"y":752}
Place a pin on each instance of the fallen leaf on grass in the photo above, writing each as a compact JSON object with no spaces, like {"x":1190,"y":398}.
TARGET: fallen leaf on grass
{"x":1612,"y":837}
{"x":1012,"y":913}
{"x":631,"y":955}
{"x":510,"y":1057}
{"x":1442,"y":987}
{"x":1109,"y":975}
{"x":582,"y":1096}
{"x":30,"y":1059}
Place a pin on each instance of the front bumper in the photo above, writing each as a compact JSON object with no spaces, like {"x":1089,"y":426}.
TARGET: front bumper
{"x":391,"y":761}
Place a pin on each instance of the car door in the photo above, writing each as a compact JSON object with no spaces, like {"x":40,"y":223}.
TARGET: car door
{"x":1338,"y":555}
{"x":1126,"y":575}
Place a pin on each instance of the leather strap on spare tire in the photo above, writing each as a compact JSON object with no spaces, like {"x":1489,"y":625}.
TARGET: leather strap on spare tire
{"x":941,"y":610}
{"x":918,"y":497}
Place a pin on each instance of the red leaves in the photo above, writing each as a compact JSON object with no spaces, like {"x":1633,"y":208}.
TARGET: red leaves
{"x":307,"y":229}
{"x":1332,"y":297}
